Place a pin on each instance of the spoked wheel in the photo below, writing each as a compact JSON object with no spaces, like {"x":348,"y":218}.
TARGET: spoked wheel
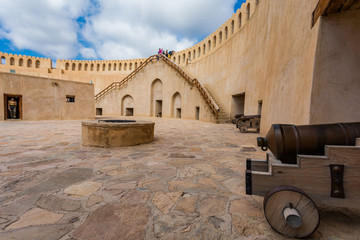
{"x":243,"y":129}
{"x":291,"y":212}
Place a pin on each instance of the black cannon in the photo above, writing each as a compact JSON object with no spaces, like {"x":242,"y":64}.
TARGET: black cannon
{"x":246,"y":122}
{"x":287,"y":141}
{"x":310,"y":166}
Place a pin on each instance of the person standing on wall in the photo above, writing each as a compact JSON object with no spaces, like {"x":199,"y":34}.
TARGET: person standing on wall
{"x":12,"y":105}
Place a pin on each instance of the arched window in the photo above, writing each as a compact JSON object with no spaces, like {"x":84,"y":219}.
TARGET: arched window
{"x":109,"y":67}
{"x":226,"y":33}
{"x":21,"y":62}
{"x":194,"y":54}
{"x":73,"y":67}
{"x":209,"y":46}
{"x":37,"y":63}
{"x":29,"y":63}
{"x":130,"y":66}
{"x":156,"y":98}
{"x":189,"y":55}
{"x":119,"y":66}
{"x":204,"y":49}
{"x":85,"y":67}
{"x":214,"y":40}
{"x":179,"y":59}
{"x":184,"y":57}
{"x":174,"y":59}
{"x":136,"y":65}
{"x":176,"y":105}
{"x":104,"y":66}
{"x":248,"y":11}
{"x":127,"y":106}
{"x":239,"y":20}
{"x":125,"y":66}
{"x":98,"y":67}
{"x":79,"y":67}
{"x":114,"y":66}
{"x":12,"y":61}
{"x":232,"y":27}
{"x":220,"y":37}
{"x":199,"y":52}
{"x":3,"y":60}
{"x":67,"y":66}
{"x":140,"y":63}
{"x":92,"y":67}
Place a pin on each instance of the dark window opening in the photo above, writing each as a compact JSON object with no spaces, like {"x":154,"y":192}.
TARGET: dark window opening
{"x":129,"y":112}
{"x":158,"y":108}
{"x":70,"y":98}
{"x":197,"y":113}
{"x":259,"y":107}
{"x":238,"y":104}
{"x":3,"y":60}
{"x":99,"y":111}
{"x":178,"y":113}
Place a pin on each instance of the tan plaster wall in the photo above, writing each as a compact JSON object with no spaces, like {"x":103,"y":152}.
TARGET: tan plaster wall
{"x":140,"y":89}
{"x":77,"y":70}
{"x":271,"y":58}
{"x":42,"y":99}
{"x":336,"y":89}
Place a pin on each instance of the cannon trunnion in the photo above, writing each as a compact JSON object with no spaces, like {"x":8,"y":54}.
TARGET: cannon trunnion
{"x":310,"y":166}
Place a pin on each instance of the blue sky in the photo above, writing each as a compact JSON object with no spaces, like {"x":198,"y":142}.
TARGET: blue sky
{"x":100,"y":29}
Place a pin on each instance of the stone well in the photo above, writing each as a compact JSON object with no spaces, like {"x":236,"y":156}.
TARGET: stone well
{"x":116,"y":133}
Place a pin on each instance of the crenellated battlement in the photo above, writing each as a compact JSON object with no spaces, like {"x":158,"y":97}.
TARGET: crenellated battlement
{"x":216,"y":39}
{"x":14,"y":60}
{"x":99,"y":65}
{"x":104,"y":72}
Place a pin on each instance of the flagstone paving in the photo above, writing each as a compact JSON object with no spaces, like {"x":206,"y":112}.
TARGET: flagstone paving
{"x":188,"y":184}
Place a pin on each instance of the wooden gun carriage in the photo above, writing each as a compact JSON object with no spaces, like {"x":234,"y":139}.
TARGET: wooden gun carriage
{"x":310,"y":166}
{"x":244,"y":123}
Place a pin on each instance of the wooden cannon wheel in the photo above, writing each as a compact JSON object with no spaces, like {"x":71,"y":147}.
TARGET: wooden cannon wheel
{"x":243,"y":128}
{"x":291,"y":212}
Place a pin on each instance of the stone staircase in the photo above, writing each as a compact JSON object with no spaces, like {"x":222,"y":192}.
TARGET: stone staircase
{"x":222,"y":116}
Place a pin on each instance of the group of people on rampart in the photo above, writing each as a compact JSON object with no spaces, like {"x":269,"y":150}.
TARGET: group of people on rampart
{"x":166,"y":53}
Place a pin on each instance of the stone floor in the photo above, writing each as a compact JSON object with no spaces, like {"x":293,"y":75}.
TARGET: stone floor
{"x":187,"y":184}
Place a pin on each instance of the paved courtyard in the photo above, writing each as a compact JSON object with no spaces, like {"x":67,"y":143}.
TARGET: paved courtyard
{"x":187,"y":184}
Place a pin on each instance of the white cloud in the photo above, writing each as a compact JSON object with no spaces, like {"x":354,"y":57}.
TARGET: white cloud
{"x":117,"y":29}
{"x":88,"y":53}
{"x":45,"y":26}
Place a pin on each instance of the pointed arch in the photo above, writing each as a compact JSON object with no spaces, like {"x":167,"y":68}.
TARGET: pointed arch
{"x":127,"y":106}
{"x":156,"y":98}
{"x":176,"y":105}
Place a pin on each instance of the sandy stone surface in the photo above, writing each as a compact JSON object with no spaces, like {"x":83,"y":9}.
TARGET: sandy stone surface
{"x":36,"y":216}
{"x":187,"y":184}
{"x":83,"y":189}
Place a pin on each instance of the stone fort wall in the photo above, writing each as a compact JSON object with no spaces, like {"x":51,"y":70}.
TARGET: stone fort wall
{"x":103,"y":72}
{"x":266,"y":58}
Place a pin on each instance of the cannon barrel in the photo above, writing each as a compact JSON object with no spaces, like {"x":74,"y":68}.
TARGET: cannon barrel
{"x":287,"y":141}
{"x":248,"y":117}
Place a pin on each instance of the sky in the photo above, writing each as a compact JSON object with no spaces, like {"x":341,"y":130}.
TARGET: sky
{"x":107,"y":29}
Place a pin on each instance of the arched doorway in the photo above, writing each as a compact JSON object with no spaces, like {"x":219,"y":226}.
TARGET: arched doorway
{"x":127,"y":106}
{"x":156,"y":98}
{"x":176,"y":105}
